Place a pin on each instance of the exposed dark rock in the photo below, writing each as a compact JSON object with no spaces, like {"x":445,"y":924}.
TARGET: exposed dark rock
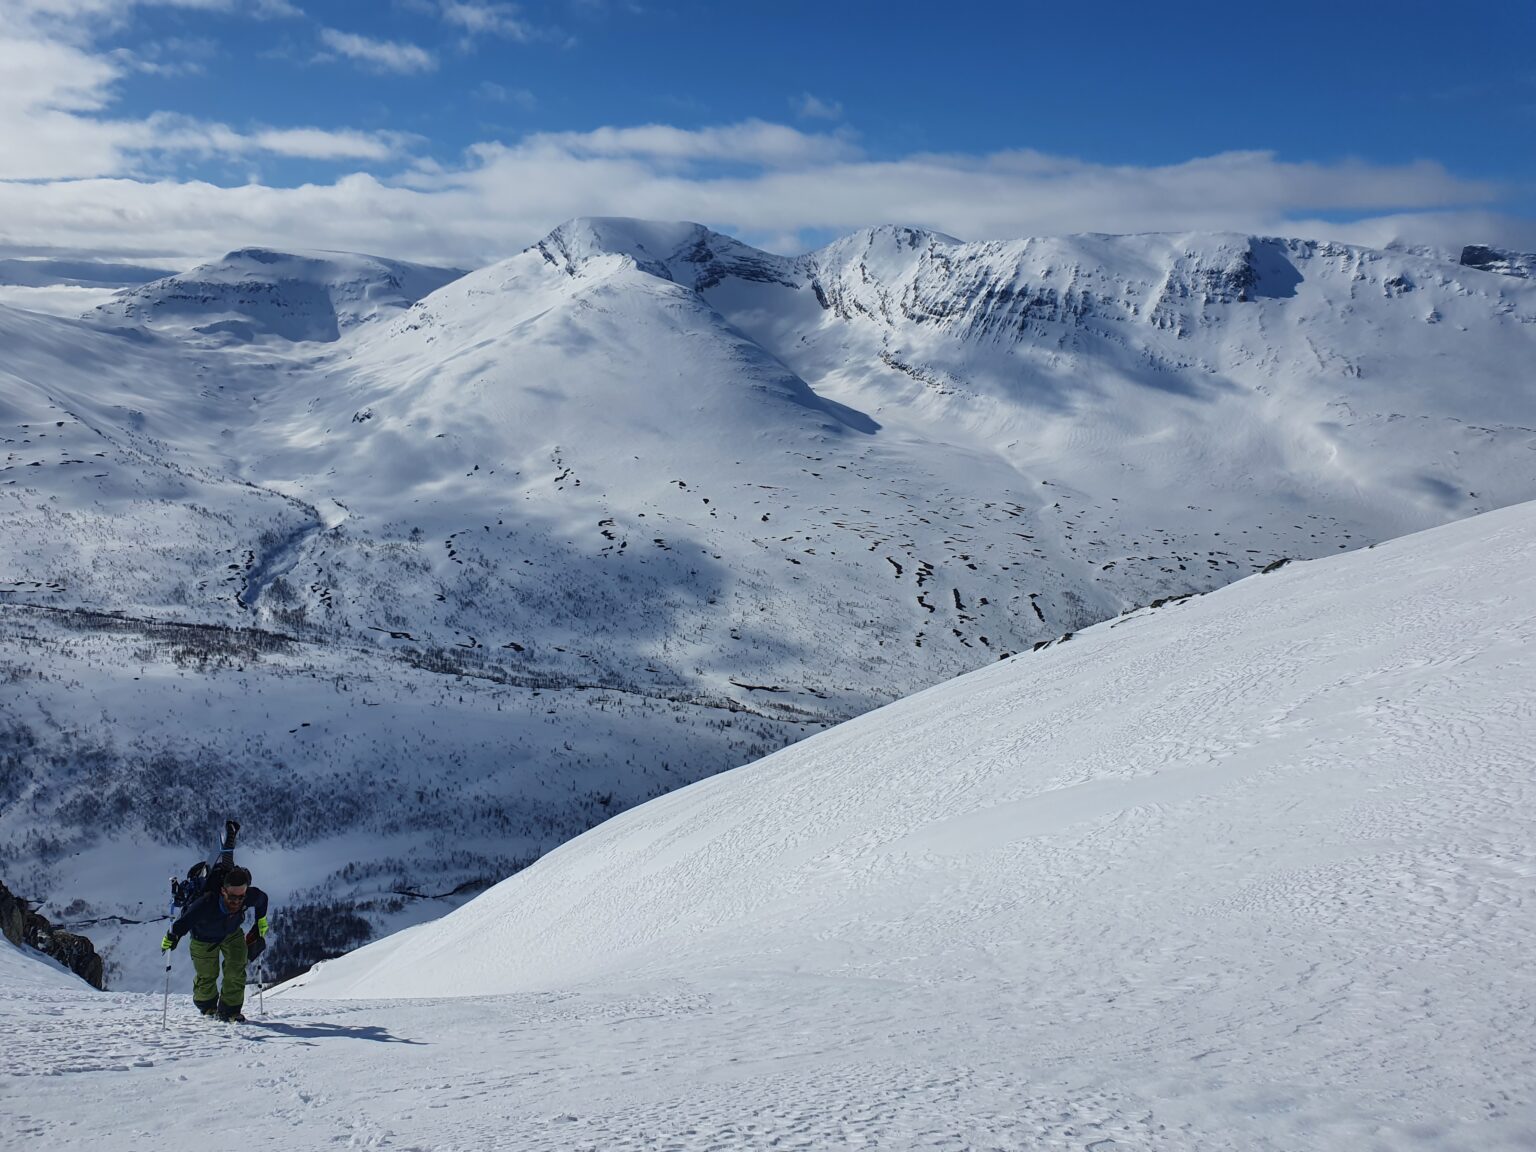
{"x":13,"y":916}
{"x":26,"y":928}
{"x":1498,"y":260}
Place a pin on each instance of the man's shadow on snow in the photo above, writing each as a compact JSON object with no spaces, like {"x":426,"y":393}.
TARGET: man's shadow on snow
{"x":314,"y":1030}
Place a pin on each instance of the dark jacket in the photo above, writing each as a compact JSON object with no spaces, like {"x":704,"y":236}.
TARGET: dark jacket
{"x":208,"y":920}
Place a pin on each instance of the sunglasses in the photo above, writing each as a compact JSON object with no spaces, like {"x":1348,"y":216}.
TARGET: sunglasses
{"x":231,"y":895}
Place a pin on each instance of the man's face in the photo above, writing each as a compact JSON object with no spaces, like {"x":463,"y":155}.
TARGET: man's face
{"x":235,"y":897}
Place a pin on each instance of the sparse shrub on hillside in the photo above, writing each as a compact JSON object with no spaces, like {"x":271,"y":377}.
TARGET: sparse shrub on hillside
{"x":16,"y":673}
{"x":280,"y":592}
{"x":305,"y":934}
{"x":185,"y":644}
{"x":171,"y":794}
{"x":17,"y":743}
{"x":295,"y":619}
{"x":330,"y":920}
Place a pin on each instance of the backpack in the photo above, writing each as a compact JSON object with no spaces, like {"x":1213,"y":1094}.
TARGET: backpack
{"x":204,"y":877}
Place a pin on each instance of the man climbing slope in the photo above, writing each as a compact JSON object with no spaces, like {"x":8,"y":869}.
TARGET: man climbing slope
{"x":216,"y":921}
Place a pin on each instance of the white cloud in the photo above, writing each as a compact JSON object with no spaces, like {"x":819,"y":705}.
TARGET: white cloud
{"x":182,"y":134}
{"x":47,"y":74}
{"x":74,"y":177}
{"x":1448,"y":231}
{"x":752,"y":141}
{"x":57,"y":89}
{"x":509,"y":195}
{"x":385,"y":55}
{"x":323,"y":144}
{"x":500,"y":94}
{"x":52,"y":91}
{"x":178,"y":56}
{"x":80,"y":20}
{"x":49,"y":90}
{"x":480,"y":18}
{"x":809,"y":107}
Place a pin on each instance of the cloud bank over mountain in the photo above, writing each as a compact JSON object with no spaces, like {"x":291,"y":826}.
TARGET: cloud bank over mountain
{"x":80,"y":172}
{"x":788,"y":188}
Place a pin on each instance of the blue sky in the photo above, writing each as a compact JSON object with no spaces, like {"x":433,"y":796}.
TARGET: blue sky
{"x":783,"y":121}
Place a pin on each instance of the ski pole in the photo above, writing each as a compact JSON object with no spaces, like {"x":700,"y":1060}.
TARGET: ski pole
{"x":165,"y":1010}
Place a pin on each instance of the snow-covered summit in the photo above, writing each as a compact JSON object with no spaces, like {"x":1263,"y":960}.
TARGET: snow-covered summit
{"x":255,"y":292}
{"x":686,"y":253}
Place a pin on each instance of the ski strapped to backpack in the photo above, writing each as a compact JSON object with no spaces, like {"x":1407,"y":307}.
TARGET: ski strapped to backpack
{"x":204,"y":877}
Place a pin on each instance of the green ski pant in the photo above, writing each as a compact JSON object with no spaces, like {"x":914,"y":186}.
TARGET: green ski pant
{"x":205,"y":963}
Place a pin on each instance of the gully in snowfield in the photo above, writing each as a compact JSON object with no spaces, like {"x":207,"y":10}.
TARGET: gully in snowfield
{"x":216,"y":921}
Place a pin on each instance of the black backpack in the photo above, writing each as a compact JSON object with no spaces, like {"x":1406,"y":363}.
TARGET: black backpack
{"x":205,"y":877}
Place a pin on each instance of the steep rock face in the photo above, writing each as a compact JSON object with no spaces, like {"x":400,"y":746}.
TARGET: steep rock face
{"x":1003,"y":292}
{"x":1497,"y":260}
{"x":255,"y":292}
{"x":13,"y":916}
{"x":23,"y":927}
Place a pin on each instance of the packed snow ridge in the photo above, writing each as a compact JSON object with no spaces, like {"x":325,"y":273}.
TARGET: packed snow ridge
{"x":423,"y":596}
{"x":1253,"y":871}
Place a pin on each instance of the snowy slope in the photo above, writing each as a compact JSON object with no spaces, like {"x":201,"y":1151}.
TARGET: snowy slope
{"x":1251,"y":871}
{"x":1304,"y":375}
{"x":643,"y":503}
{"x":1273,"y":750}
{"x":98,"y":509}
{"x":26,"y":971}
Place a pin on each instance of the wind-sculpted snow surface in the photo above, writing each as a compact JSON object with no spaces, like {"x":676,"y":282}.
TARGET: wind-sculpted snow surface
{"x":671,"y":501}
{"x":1249,"y":872}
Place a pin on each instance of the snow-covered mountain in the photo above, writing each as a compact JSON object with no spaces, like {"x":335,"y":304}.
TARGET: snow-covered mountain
{"x":256,"y":292}
{"x":1251,"y":871}
{"x":421,"y":598}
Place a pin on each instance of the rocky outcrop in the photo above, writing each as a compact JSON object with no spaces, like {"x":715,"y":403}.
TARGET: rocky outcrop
{"x":26,"y":928}
{"x":1497,"y":260}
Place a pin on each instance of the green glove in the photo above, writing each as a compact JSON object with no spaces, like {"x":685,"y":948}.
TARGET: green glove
{"x":168,"y":943}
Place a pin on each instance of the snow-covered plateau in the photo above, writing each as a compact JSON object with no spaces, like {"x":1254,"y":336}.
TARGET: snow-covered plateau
{"x":421,"y":574}
{"x":1251,"y":871}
